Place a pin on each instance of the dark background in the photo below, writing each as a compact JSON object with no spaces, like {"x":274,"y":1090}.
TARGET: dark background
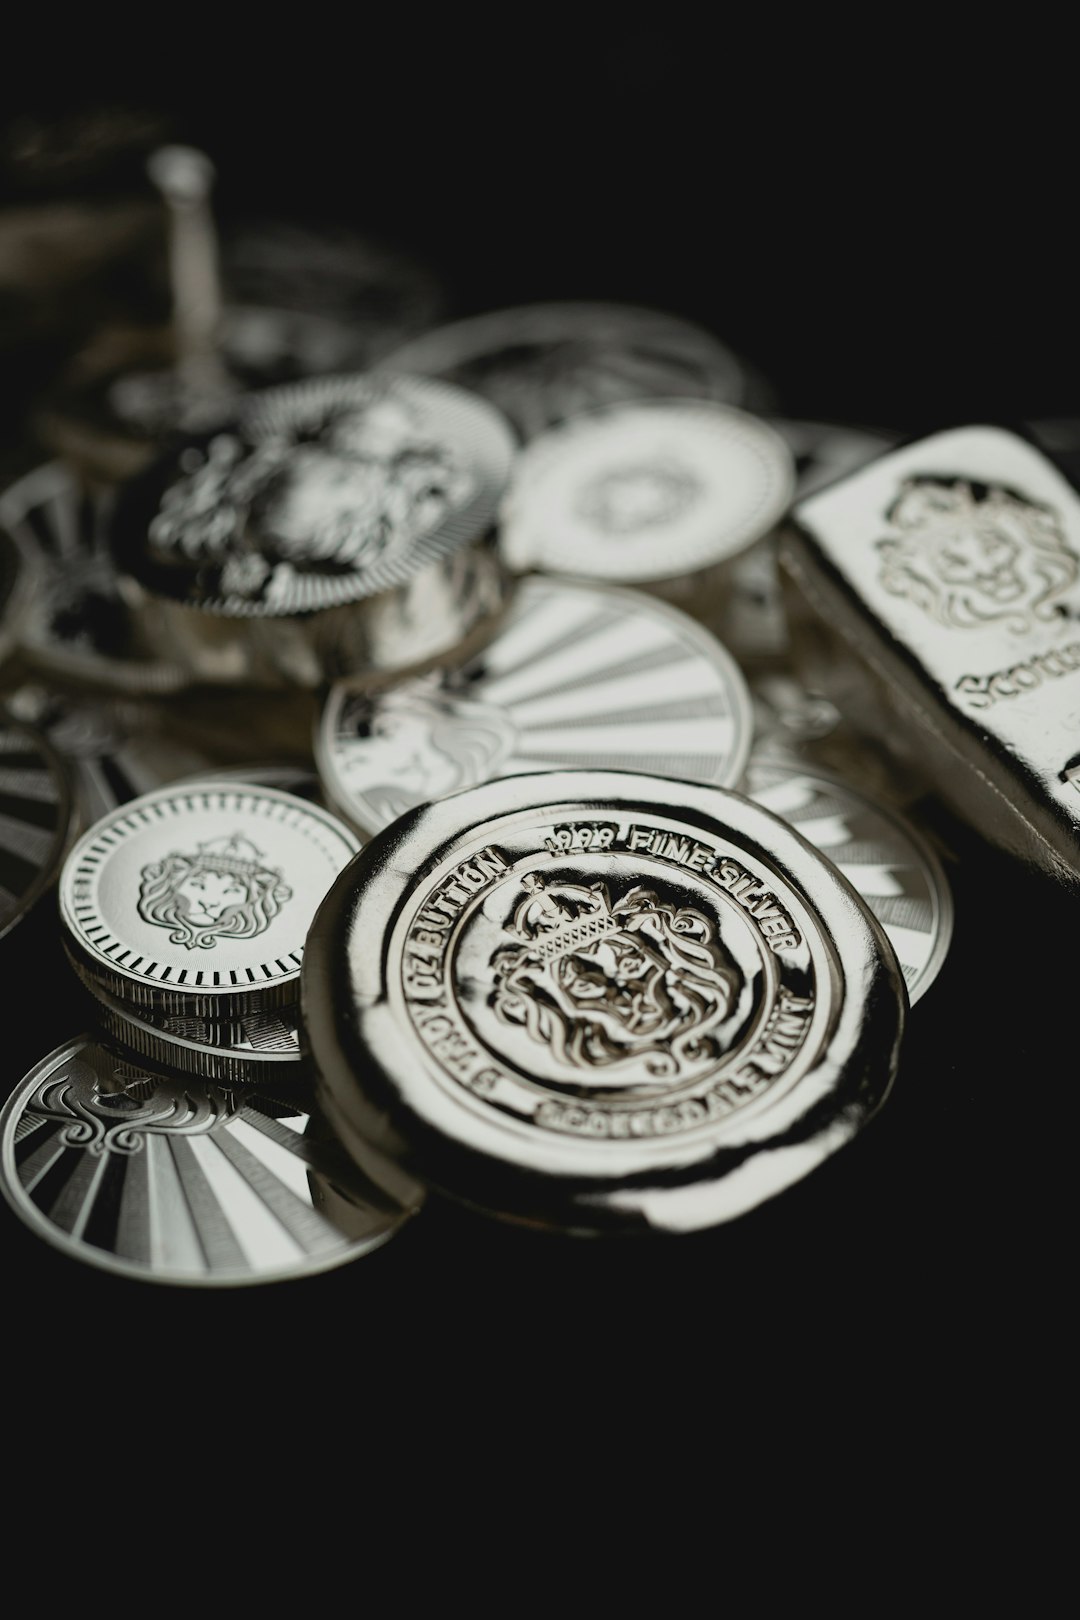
{"x":884,"y":224}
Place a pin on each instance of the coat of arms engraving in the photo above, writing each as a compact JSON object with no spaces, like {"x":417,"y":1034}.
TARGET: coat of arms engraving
{"x":601,"y":981}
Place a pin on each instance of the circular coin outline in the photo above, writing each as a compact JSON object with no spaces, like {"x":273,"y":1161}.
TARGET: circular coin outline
{"x":530,"y":537}
{"x":93,"y":959}
{"x":475,"y":427}
{"x":15,"y":1110}
{"x":925,"y":860}
{"x":369,"y":818}
{"x":405,"y":1116}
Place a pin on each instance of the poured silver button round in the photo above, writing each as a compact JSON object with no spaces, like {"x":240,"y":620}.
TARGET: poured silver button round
{"x":881,"y":855}
{"x":197,"y":899}
{"x":648,"y":492}
{"x":542,"y":363}
{"x":576,"y":675}
{"x":600,"y":1001}
{"x":178,"y":1180}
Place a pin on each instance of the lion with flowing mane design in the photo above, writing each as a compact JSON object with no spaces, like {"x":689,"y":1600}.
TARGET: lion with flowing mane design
{"x":971,"y":554}
{"x":601,"y":983}
{"x":225,"y":891}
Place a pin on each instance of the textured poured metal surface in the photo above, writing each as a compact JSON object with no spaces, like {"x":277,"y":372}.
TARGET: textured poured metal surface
{"x":543,"y":363}
{"x":644,"y":492}
{"x":35,"y":819}
{"x":951,"y":570}
{"x":198,"y":898}
{"x":577,"y":674}
{"x":881,"y":855}
{"x":182,"y":1181}
{"x":600,"y":1005}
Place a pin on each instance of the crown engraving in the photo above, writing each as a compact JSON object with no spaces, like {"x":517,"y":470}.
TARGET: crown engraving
{"x":224,"y":891}
{"x":602,"y":981}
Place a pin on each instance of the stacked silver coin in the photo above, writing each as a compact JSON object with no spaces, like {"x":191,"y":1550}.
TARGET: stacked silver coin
{"x":610,"y":924}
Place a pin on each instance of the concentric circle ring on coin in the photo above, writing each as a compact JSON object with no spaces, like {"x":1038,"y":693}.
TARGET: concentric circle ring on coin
{"x":35,"y":819}
{"x":260,"y":1048}
{"x":322,"y":494}
{"x":643,"y":493}
{"x":176,"y":1180}
{"x":881,"y":855}
{"x":576,"y":675}
{"x":542,"y":363}
{"x":600,"y":1001}
{"x":197,"y":899}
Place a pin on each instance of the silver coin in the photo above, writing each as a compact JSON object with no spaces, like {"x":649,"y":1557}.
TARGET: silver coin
{"x":577,"y":674}
{"x":881,"y":855}
{"x":198,"y":899}
{"x":543,"y":363}
{"x":600,"y":1001}
{"x":182,"y":1180}
{"x":74,"y":626}
{"x":35,"y":819}
{"x":648,"y":492}
{"x":263,"y":1046}
{"x":325,"y":493}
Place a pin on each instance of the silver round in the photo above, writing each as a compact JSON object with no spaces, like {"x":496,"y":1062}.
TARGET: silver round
{"x":324,"y":493}
{"x":72,"y":624}
{"x":197,"y":899}
{"x":35,"y":819}
{"x":880,"y":854}
{"x":577,"y":675}
{"x":182,"y":1181}
{"x":602,"y":1002}
{"x":647,"y":492}
{"x":542,"y":363}
{"x":260,"y":1047}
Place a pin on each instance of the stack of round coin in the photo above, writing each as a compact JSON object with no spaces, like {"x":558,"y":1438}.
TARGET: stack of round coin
{"x":185,"y":914}
{"x":576,"y":674}
{"x":335,"y":526}
{"x":662,"y":494}
{"x":599,"y":1003}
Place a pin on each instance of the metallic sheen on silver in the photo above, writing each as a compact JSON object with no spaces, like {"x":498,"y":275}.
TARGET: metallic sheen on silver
{"x":949,"y":573}
{"x":576,"y":675}
{"x":600,"y":1002}
{"x":182,"y":1181}
{"x":882,"y":856}
{"x":645,"y":493}
{"x":330,"y":528}
{"x":197,"y":899}
{"x":72,"y":625}
{"x":261,"y":1047}
{"x":542,"y":363}
{"x":35,"y":819}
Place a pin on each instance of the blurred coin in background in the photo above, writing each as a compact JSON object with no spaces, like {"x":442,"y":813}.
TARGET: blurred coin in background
{"x":542,"y":363}
{"x":35,"y":819}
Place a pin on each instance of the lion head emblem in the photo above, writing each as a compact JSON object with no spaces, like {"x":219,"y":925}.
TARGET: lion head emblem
{"x":601,"y":981}
{"x":338,"y":492}
{"x":224,"y":891}
{"x":970,"y":554}
{"x":420,"y":741}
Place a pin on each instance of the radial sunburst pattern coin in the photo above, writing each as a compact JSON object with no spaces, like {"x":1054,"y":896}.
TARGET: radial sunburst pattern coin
{"x":182,"y":1180}
{"x":577,"y":675}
